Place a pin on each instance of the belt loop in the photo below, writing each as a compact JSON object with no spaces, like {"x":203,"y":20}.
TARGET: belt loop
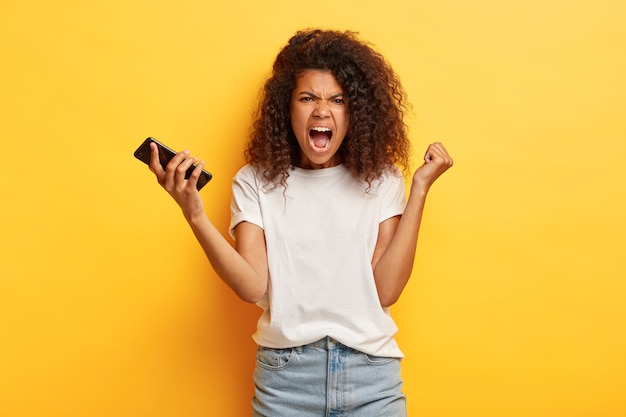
{"x":331,"y":343}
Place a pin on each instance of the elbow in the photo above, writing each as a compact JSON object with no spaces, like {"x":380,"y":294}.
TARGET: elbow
{"x":389,"y":291}
{"x":252,"y":296}
{"x":388,"y":300}
{"x":389,"y":294}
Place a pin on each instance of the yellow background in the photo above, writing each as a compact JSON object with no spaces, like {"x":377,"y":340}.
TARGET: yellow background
{"x":517,"y":305}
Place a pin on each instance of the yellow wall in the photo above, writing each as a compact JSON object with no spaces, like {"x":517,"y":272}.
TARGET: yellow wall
{"x":107,"y":306}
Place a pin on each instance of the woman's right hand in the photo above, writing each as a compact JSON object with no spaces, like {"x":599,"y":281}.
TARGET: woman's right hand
{"x":172,"y":179}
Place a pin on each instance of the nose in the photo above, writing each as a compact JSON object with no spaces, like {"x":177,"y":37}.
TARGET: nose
{"x":322,"y":109}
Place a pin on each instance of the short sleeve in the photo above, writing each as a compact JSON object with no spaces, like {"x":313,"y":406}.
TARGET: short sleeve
{"x":393,"y":196}
{"x":245,"y":205}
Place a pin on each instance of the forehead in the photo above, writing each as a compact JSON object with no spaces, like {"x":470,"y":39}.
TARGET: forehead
{"x":317,"y":81}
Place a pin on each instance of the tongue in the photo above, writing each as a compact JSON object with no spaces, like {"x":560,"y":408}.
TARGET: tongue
{"x":320,"y":139}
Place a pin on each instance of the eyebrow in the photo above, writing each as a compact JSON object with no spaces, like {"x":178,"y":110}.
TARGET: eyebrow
{"x":309,"y":93}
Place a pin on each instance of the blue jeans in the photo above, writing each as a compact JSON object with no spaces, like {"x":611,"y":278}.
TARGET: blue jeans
{"x":326,"y":379}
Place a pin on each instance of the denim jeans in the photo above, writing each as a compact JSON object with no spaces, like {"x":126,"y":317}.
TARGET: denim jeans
{"x":326,"y":379}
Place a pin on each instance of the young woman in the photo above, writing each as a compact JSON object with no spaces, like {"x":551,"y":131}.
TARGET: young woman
{"x":325,"y":239}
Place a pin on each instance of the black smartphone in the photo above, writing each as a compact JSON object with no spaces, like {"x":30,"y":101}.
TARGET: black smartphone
{"x":165,"y":155}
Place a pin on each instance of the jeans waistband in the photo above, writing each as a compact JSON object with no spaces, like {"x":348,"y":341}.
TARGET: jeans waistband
{"x":326,"y":343}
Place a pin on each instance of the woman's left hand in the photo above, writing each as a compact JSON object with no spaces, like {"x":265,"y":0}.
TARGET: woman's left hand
{"x":436,"y":162}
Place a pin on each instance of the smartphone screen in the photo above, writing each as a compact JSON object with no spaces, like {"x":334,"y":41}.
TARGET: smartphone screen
{"x":165,"y":155}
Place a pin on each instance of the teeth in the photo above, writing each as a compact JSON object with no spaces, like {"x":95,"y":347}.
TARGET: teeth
{"x":321,"y":129}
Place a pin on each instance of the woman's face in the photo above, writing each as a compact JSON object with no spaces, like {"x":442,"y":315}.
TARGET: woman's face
{"x":319,"y":118}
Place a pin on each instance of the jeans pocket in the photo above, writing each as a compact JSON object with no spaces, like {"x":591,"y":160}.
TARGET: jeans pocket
{"x":378,"y":360}
{"x":274,"y":359}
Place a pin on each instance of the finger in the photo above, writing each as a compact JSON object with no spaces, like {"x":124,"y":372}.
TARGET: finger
{"x":195,"y":175}
{"x":437,"y":151}
{"x":181,"y":172}
{"x":445,"y":156}
{"x":431,"y":153}
{"x":171,"y":168}
{"x":441,"y":150}
{"x":155,"y":163}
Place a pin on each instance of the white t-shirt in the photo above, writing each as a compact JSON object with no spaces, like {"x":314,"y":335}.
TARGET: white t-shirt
{"x":320,"y":233}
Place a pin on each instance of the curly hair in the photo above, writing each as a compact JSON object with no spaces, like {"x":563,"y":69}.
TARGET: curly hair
{"x":376,"y":103}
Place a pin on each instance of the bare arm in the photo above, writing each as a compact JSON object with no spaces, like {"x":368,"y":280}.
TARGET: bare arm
{"x":397,"y":236}
{"x":243,"y":269}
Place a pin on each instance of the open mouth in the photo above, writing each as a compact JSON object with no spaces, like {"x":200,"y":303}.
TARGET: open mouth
{"x":320,"y":137}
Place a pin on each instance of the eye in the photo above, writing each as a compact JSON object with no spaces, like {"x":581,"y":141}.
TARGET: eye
{"x":338,"y":101}
{"x":306,"y":99}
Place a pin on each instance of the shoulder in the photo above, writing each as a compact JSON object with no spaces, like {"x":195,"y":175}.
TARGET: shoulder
{"x":390,"y":175}
{"x":251,"y":177}
{"x":245,"y":181}
{"x":247,"y":174}
{"x":246,"y":171}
